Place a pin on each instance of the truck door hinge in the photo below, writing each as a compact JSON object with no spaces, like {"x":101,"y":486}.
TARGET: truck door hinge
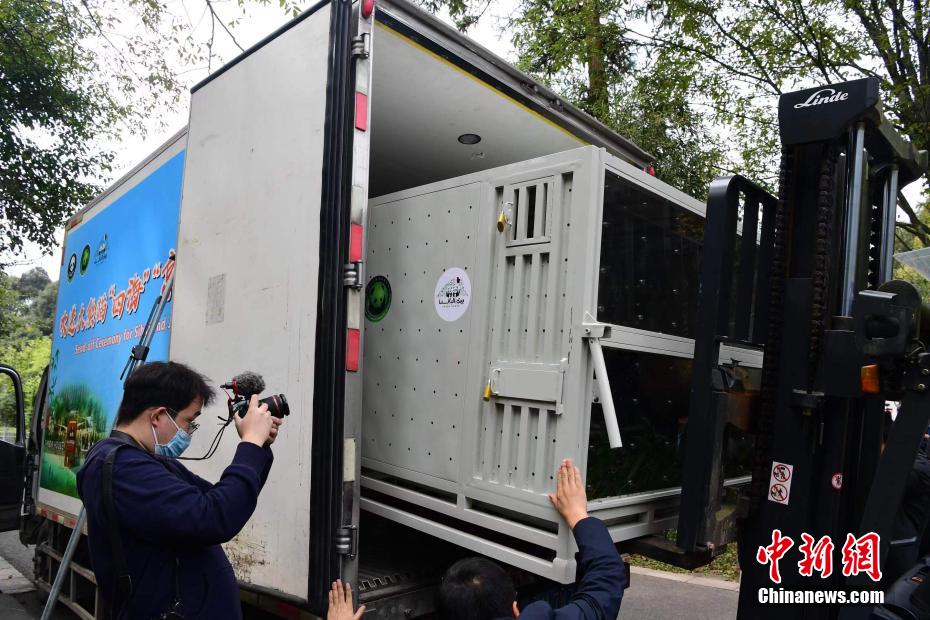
{"x":360,"y":46}
{"x":347,"y":540}
{"x":352,"y":275}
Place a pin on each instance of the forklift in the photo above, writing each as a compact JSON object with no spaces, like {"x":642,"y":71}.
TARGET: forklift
{"x":805,"y":276}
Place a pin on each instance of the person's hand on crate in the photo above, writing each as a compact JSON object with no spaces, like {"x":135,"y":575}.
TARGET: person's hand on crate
{"x":257,"y":424}
{"x":340,"y":603}
{"x":570,"y":498}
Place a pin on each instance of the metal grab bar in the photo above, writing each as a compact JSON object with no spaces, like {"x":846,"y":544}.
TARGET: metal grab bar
{"x":593,"y":333}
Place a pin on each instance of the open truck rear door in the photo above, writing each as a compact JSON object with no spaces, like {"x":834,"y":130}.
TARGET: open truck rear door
{"x":12,"y":447}
{"x":263,"y":238}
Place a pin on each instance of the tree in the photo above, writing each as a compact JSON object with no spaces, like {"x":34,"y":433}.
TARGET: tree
{"x":714,"y":68}
{"x":74,"y":76}
{"x":581,"y":49}
{"x":751,"y":52}
{"x":25,"y":331}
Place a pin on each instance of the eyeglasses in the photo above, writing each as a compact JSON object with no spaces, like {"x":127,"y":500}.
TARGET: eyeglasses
{"x":191,"y":425}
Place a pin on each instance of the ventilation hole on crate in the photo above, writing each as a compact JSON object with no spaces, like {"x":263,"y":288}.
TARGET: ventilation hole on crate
{"x":429,"y":454}
{"x":453,"y":426}
{"x":450,"y":459}
{"x":431,"y":422}
{"x":414,"y":389}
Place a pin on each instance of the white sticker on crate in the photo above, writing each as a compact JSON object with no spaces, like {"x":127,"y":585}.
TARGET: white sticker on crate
{"x":452,"y":295}
{"x":780,"y":482}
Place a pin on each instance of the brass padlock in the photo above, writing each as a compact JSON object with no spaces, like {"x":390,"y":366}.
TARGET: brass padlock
{"x":502,"y":221}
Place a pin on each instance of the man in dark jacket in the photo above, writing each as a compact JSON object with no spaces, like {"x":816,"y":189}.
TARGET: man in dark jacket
{"x":478,"y":589}
{"x":169,"y":522}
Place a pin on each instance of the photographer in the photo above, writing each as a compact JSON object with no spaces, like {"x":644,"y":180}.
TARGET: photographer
{"x":155,"y":528}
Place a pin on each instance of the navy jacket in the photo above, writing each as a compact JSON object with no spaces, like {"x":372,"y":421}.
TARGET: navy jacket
{"x":602,"y":579}
{"x":172,"y":524}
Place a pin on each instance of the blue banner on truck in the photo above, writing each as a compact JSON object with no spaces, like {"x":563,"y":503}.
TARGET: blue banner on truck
{"x":116,"y":262}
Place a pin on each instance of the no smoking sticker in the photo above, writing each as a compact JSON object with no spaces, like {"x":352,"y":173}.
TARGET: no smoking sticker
{"x":780,"y":483}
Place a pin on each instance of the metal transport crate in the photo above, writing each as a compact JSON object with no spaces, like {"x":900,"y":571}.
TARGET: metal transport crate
{"x":490,"y":299}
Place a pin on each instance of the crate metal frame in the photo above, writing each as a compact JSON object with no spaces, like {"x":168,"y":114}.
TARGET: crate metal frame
{"x":515,"y":523}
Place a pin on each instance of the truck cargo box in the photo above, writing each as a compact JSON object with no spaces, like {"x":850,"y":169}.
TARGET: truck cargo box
{"x":425,"y":250}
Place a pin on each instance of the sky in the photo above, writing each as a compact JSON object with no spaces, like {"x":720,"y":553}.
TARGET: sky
{"x":258,"y":22}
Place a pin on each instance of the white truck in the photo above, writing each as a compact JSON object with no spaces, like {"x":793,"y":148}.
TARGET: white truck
{"x":456,"y":278}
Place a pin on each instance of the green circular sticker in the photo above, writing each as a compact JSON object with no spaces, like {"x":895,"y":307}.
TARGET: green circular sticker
{"x":85,"y":259}
{"x":377,"y":298}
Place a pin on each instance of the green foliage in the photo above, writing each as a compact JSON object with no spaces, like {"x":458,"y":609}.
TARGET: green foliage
{"x":696,"y":82}
{"x":77,"y":401}
{"x":725,"y":565}
{"x":584,"y":51}
{"x":27,"y":307}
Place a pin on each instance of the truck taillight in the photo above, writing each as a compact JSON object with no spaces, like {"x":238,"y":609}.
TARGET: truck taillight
{"x":650,"y":170}
{"x":367,"y":7}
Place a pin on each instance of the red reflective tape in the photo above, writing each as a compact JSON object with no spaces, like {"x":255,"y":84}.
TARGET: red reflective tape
{"x":287,"y":611}
{"x":355,"y":243}
{"x":361,"y":111}
{"x":352,"y":347}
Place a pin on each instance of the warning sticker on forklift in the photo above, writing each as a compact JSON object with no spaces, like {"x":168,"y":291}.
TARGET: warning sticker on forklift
{"x":452,"y":294}
{"x":780,"y":482}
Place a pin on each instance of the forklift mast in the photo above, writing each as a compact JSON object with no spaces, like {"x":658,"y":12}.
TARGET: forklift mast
{"x":806,"y":277}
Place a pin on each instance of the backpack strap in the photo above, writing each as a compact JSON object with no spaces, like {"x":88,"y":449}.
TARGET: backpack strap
{"x":123,"y":578}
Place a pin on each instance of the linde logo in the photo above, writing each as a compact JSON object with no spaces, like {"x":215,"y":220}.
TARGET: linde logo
{"x":824,"y":95}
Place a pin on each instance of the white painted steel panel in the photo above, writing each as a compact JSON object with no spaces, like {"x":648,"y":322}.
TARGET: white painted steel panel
{"x":251,"y":212}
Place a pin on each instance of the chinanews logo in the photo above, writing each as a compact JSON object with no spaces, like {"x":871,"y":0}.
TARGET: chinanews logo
{"x":101,"y":254}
